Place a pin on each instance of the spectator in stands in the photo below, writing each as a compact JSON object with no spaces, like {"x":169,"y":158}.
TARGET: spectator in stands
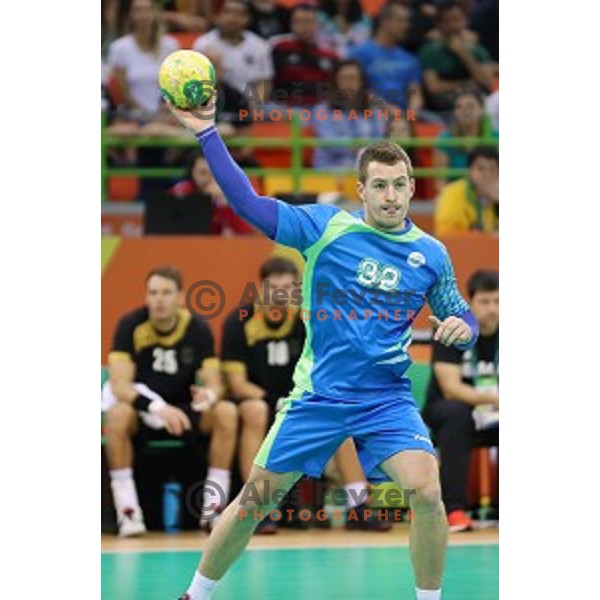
{"x":262,"y":342}
{"x":135,"y":59}
{"x":160,"y":354}
{"x":469,"y":120}
{"x":471,"y":203}
{"x":394,"y":74}
{"x":199,"y":180}
{"x":246,"y":57}
{"x":231,"y":102}
{"x":350,"y":99}
{"x":268,"y":19}
{"x":302,"y":66}
{"x":453,"y":61}
{"x":462,"y":399}
{"x":343,"y":25}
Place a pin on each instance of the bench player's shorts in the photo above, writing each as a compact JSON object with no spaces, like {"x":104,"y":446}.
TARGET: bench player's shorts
{"x":308,"y":430}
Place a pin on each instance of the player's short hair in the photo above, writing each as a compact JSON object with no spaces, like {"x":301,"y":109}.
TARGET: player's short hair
{"x":483,"y":281}
{"x":385,"y":152}
{"x":168,"y":272}
{"x":487,"y":152}
{"x":278,"y":266}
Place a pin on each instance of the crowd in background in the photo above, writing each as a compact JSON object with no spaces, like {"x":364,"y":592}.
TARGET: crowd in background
{"x":436,"y":62}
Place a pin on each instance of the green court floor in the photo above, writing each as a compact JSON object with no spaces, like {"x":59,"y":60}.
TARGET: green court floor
{"x":301,"y":574}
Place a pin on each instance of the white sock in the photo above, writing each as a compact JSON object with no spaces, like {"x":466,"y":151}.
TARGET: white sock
{"x":218,"y":493}
{"x":356,"y":493}
{"x":201,"y":587}
{"x":429,"y":594}
{"x":123,"y":489}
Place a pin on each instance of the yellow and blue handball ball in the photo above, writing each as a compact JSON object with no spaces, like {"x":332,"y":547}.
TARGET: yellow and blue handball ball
{"x":187,"y":79}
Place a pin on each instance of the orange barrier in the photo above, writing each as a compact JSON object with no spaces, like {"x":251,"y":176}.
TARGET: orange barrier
{"x":232,"y":262}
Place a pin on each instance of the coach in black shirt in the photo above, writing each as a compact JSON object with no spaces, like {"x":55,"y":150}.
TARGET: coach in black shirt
{"x":464,"y":390}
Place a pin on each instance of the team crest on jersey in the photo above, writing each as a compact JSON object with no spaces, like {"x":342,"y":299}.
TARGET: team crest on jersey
{"x":415,"y":259}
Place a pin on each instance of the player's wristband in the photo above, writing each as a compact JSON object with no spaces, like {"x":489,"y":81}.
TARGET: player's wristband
{"x":143,"y":404}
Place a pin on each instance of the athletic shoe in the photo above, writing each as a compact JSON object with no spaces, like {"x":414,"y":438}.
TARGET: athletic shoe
{"x":459,"y":520}
{"x":131,"y":523}
{"x":359,"y":521}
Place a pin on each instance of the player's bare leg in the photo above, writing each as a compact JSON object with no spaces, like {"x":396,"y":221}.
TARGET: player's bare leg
{"x":222,"y":423}
{"x":236,"y":526}
{"x":254,"y":417}
{"x":120,"y":427}
{"x":417,"y":472}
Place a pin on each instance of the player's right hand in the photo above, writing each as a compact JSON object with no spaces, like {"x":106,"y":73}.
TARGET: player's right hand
{"x":176,"y":421}
{"x":196,"y":119}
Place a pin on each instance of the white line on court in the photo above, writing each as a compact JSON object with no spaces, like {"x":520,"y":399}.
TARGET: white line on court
{"x":292,"y":547}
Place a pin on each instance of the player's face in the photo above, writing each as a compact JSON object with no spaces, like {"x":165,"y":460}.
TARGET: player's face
{"x":386,"y":195}
{"x":304,"y":25}
{"x":162,"y":298}
{"x":486,"y":308}
{"x":279,"y":299}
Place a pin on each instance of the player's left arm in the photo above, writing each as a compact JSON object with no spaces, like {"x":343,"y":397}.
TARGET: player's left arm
{"x":453,"y":321}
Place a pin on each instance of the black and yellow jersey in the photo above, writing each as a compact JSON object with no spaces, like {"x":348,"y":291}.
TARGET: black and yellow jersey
{"x":167,"y":362}
{"x":265,"y":351}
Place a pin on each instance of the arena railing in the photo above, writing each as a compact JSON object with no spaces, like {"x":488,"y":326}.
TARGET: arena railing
{"x":296,"y":143}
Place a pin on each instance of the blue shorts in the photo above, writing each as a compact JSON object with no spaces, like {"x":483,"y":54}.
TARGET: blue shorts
{"x":308,"y":430}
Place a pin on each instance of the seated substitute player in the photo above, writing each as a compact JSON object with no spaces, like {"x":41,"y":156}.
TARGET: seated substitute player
{"x":158,"y":354}
{"x":262,"y":342}
{"x":464,"y":384}
{"x":366,"y":278}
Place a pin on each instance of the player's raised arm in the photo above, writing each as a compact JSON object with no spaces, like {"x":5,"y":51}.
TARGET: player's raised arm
{"x":453,"y":321}
{"x":298,"y":227}
{"x":258,"y":211}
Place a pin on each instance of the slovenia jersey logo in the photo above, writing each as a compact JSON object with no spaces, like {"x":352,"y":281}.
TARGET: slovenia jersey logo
{"x":415,"y":259}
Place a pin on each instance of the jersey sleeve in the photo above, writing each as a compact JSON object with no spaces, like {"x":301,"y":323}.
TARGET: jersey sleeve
{"x":301,"y":226}
{"x":234,"y":347}
{"x":206,"y":345}
{"x":443,"y":296}
{"x":122,"y":346}
{"x":446,"y":354}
